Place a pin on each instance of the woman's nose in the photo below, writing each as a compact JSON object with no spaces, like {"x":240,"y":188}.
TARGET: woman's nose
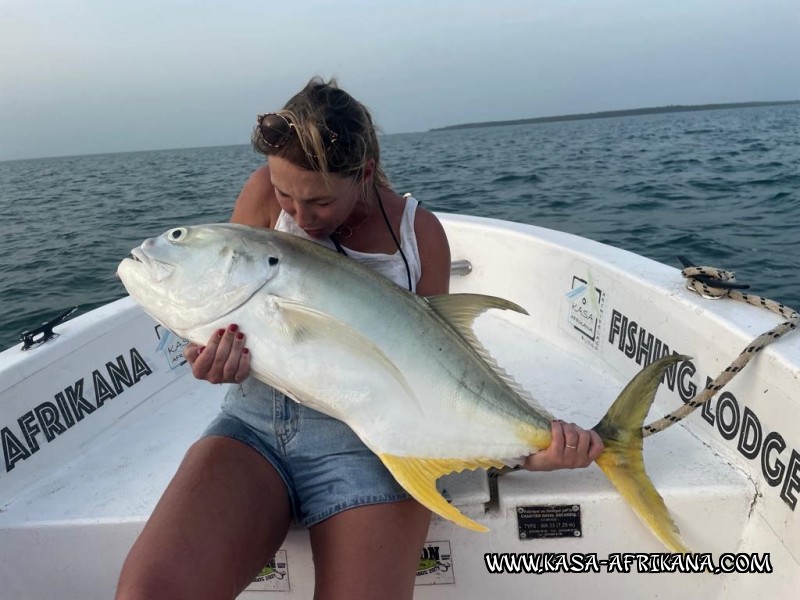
{"x":301,"y":216}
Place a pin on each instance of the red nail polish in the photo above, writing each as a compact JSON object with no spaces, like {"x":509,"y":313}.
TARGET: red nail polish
{"x":220,"y":332}
{"x":200,"y":350}
{"x":240,"y":336}
{"x":233,"y":327}
{"x":245,"y":351}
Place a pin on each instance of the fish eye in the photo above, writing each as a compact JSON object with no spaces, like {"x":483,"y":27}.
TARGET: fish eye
{"x":273,"y":261}
{"x":177,"y":234}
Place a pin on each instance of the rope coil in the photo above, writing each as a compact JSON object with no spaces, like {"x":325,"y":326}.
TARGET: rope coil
{"x":711,"y":282}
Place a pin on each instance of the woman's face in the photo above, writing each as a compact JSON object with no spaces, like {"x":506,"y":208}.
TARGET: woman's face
{"x":318,"y":206}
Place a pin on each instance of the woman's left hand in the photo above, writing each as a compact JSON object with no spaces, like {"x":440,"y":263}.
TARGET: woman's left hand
{"x":571,"y":448}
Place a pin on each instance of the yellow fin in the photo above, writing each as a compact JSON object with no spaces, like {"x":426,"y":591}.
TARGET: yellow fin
{"x":626,"y":471}
{"x":621,"y":460}
{"x":461,"y":310}
{"x":418,"y":477}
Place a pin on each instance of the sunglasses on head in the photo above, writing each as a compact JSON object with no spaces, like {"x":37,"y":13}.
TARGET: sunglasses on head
{"x":276,"y":129}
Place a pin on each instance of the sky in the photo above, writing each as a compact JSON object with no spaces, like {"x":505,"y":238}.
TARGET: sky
{"x":95,"y":76}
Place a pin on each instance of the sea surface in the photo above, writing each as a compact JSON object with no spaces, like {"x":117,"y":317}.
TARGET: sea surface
{"x":721,"y":187}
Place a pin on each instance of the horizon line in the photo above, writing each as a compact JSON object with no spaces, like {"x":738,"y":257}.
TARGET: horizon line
{"x":630,"y":112}
{"x":670,"y":108}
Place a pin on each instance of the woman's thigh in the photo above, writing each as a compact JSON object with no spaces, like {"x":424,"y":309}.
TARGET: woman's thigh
{"x":369,"y":551}
{"x":221,"y":519}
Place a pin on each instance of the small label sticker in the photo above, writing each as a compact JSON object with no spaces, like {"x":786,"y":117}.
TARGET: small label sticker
{"x":274,"y":577}
{"x":172,"y":346}
{"x":584,"y":308}
{"x":549,"y":521}
{"x":435,"y":564}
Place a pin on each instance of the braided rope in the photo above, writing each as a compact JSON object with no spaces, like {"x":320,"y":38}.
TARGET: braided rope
{"x":758,"y":344}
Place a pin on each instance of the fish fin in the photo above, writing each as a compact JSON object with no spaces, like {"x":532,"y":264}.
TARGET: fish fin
{"x":621,"y":460}
{"x":460,"y":311}
{"x":303,"y":322}
{"x":418,"y":477}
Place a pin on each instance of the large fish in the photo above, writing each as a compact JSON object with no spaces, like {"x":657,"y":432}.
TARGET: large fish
{"x":406,"y":373}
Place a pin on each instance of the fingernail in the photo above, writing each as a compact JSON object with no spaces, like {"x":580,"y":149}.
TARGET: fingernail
{"x":220,"y":332}
{"x":200,"y":350}
{"x":233,"y":327}
{"x":245,"y":351}
{"x":240,"y":336}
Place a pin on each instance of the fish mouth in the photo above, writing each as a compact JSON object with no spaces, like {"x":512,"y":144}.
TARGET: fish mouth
{"x":157,"y":269}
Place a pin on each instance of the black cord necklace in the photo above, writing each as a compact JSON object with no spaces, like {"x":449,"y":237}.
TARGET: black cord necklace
{"x":340,"y":249}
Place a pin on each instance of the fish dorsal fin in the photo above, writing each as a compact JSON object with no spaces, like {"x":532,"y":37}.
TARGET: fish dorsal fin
{"x":460,"y":311}
{"x":418,"y":477}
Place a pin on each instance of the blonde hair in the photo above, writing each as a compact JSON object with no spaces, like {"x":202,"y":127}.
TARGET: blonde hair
{"x":332,"y":133}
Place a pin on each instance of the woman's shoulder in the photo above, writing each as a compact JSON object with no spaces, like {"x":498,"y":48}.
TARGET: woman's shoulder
{"x":425,"y":222}
{"x":434,"y":253}
{"x":257,"y":205}
{"x":427,"y":225}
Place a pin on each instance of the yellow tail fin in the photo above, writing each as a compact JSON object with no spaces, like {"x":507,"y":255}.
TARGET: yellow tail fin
{"x":418,"y":477}
{"x":621,"y":460}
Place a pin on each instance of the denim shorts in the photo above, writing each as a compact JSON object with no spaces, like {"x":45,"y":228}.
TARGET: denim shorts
{"x":325,"y":466}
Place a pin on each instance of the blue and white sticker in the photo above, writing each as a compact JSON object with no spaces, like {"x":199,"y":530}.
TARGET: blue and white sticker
{"x":583,"y":308}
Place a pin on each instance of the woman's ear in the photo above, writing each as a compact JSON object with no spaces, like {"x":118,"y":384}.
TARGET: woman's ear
{"x":369,"y":170}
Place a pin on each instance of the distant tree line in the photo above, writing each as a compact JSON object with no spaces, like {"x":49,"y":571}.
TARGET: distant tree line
{"x":606,"y":114}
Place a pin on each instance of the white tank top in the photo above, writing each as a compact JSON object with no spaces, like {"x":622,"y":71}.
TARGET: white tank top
{"x":390,"y":266}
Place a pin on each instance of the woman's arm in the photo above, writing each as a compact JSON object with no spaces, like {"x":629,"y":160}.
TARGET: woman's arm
{"x":256,"y":205}
{"x":434,"y":254}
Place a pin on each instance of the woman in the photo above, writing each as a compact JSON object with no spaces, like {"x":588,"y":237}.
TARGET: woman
{"x":267,"y":461}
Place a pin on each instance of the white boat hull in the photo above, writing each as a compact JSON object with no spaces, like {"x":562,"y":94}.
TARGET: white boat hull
{"x":95,"y":422}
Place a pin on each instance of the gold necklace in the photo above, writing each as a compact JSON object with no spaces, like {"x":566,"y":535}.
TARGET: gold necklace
{"x":345,"y":232}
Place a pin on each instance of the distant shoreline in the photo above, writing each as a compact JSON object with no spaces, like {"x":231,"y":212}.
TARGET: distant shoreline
{"x":607,"y":114}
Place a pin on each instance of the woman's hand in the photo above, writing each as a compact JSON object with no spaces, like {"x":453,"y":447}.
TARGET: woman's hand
{"x":224,"y":359}
{"x":571,"y":448}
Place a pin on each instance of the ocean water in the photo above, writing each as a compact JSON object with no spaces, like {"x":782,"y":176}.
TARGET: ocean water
{"x":722,"y":187}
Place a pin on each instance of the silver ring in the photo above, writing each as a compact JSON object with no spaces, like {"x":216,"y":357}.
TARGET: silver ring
{"x":573,"y":447}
